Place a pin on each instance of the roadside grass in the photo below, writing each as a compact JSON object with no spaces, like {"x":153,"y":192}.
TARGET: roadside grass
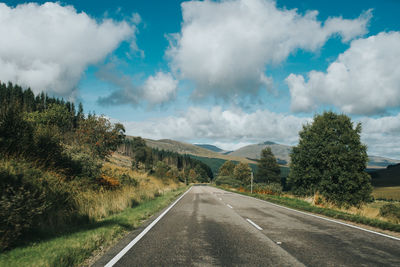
{"x":387,"y":193}
{"x":303,"y":205}
{"x":75,"y":246}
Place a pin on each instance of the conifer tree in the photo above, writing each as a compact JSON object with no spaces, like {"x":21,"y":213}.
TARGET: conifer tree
{"x":268,"y":169}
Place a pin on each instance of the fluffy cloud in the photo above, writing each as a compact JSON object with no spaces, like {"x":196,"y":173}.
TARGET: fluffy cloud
{"x":155,"y":90}
{"x":382,"y":135}
{"x":232,"y":129}
{"x":221,"y":125}
{"x":224,"y":47}
{"x":365,"y":79}
{"x":48,"y":47}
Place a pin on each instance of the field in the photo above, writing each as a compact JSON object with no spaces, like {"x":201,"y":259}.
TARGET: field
{"x":387,"y":193}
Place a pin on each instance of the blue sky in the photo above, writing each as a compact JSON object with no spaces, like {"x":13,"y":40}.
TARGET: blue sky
{"x":228,"y":73}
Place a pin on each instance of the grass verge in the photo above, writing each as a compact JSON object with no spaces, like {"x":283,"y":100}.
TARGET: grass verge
{"x":302,"y":205}
{"x":78,"y":244}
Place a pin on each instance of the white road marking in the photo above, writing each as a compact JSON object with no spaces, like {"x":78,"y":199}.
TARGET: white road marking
{"x":255,"y":225}
{"x":134,"y":241}
{"x":279,"y":243}
{"x":229,"y":206}
{"x":323,"y":218}
{"x":220,"y":198}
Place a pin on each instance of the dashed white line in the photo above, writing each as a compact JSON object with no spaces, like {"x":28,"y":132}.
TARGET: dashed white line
{"x":134,"y":241}
{"x":220,"y":198}
{"x":229,"y":206}
{"x":254,"y":224}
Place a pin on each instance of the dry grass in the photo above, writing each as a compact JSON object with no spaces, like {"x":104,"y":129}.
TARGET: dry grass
{"x":98,"y":204}
{"x":387,"y":193}
{"x":369,"y":210}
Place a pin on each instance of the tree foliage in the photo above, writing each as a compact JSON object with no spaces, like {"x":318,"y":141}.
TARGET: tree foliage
{"x":268,"y":169}
{"x":154,"y":160}
{"x":330,"y":159}
{"x":242,"y":172}
{"x":227,"y":168}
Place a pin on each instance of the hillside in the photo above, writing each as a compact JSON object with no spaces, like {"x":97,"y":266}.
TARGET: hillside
{"x":210,"y":147}
{"x":380,"y":162}
{"x":186,"y":148}
{"x":281,"y":152}
{"x":389,"y":176}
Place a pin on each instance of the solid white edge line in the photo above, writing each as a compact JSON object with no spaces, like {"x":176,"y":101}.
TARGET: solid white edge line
{"x":254,"y":224}
{"x":323,"y":218}
{"x":229,"y":206}
{"x":137,"y":238}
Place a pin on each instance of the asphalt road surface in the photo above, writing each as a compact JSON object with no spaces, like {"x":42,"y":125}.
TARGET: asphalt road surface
{"x":212,"y":227}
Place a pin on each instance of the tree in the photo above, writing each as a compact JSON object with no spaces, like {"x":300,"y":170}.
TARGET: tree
{"x":242,"y":172}
{"x":268,"y":168}
{"x":226,"y":169}
{"x":330,"y":159}
{"x":101,"y":135}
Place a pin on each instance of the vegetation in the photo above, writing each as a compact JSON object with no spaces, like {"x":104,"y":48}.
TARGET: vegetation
{"x":73,"y":247}
{"x":166,"y":164}
{"x":330,"y":160}
{"x":227,"y":169}
{"x":387,"y":193}
{"x":391,"y":211}
{"x":242,"y":172}
{"x":268,"y":170}
{"x":390,"y":176}
{"x":55,"y":169}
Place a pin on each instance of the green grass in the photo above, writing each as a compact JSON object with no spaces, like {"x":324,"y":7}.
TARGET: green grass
{"x":302,"y":205}
{"x":76,"y":246}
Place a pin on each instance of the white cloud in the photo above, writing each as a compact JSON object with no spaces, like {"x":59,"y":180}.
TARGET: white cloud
{"x":48,"y":47}
{"x":224,"y":126}
{"x":365,"y":79}
{"x":224,"y":47}
{"x":382,"y":135}
{"x":155,"y":90}
{"x":160,"y":88}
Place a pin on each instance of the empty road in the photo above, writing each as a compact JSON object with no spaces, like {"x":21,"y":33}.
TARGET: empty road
{"x":212,"y":227}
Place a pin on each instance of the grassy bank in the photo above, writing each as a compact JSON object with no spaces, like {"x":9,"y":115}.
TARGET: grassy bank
{"x":79,"y":243}
{"x":303,"y":205}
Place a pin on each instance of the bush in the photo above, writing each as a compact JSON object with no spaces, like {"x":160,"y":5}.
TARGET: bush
{"x":390,"y":211}
{"x":228,"y":180}
{"x":270,"y":189}
{"x":30,"y":199}
{"x":20,"y":207}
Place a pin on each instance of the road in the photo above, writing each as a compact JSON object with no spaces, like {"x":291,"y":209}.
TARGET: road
{"x":212,"y":227}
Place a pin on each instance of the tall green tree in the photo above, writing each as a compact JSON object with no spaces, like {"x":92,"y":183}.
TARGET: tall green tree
{"x":226,"y":169}
{"x":242,"y":172}
{"x":268,"y":169}
{"x":330,"y":159}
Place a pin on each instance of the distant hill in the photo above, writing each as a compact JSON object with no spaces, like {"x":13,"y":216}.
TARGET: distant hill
{"x":389,"y":176}
{"x":281,"y":152}
{"x":381,"y":162}
{"x":210,"y":147}
{"x":186,"y":148}
{"x":248,"y":154}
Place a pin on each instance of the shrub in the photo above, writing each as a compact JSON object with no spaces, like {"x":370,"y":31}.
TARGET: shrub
{"x":228,"y":180}
{"x":262,"y":188}
{"x":390,"y":211}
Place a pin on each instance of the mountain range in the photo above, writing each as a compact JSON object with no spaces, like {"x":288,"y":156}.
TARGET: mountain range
{"x":248,"y":154}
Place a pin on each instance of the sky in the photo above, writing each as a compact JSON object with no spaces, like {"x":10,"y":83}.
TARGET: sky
{"x":227,"y":73}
